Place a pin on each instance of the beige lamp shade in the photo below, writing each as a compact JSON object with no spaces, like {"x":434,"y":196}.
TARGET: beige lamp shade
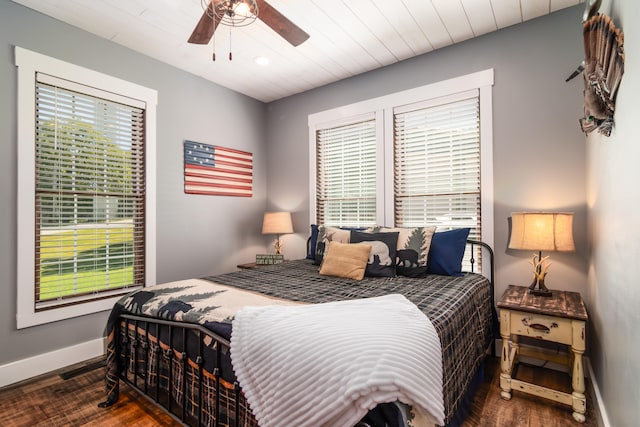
{"x":542,"y":231}
{"x":277,"y":223}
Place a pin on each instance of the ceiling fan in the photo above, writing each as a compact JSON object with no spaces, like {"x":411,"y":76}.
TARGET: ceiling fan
{"x":240,"y":13}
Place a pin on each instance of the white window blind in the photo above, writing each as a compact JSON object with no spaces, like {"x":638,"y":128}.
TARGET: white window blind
{"x":90,"y":192}
{"x":346,"y":174}
{"x":437,"y":164}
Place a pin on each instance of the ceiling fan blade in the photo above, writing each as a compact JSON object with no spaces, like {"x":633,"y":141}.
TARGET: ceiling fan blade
{"x":280,"y":24}
{"x":206,"y":26}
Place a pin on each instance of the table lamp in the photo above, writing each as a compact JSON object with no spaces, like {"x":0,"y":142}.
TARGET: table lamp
{"x":277,"y":223}
{"x":541,"y":231}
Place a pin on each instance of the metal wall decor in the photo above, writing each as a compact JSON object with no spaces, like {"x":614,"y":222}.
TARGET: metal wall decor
{"x":603,"y":67}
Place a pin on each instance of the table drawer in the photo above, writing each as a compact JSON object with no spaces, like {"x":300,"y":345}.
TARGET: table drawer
{"x":541,"y":327}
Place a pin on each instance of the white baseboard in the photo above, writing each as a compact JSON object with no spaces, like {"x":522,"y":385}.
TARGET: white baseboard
{"x":604,"y":418}
{"x":41,"y":364}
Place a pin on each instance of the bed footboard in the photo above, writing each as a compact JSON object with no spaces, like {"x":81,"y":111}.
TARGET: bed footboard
{"x":183,"y":367}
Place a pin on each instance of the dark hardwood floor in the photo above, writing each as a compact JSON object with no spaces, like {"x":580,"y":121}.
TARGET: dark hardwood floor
{"x":70,"y":397}
{"x":523,"y":410}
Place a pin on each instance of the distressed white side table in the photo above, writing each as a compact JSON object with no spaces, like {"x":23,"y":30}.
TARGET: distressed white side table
{"x":560,"y":318}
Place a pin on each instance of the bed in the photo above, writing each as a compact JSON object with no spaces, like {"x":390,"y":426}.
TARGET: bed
{"x":181,"y":360}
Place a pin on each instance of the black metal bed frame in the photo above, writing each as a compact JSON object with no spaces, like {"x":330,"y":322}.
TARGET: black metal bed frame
{"x":139,"y":351}
{"x":213,"y":401}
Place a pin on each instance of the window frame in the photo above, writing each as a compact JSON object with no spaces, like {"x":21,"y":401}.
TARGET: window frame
{"x":28,"y":64}
{"x":383,"y":108}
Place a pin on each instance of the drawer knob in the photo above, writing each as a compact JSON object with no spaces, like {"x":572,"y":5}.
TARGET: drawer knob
{"x":539,"y":327}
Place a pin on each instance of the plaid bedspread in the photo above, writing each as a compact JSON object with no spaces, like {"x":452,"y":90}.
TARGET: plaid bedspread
{"x":458,"y":307}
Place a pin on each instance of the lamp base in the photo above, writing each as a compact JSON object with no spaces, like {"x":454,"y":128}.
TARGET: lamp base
{"x":278,"y":246}
{"x":540,"y":267}
{"x":540,"y":292}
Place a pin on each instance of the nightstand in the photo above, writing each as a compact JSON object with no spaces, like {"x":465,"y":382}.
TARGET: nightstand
{"x":560,"y":318}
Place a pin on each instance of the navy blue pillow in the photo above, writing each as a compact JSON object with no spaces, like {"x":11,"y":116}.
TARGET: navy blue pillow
{"x":446,"y":252}
{"x":382,"y":260}
{"x":313,"y":241}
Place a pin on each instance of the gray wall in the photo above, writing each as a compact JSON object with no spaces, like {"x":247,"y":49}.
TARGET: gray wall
{"x":196,"y":235}
{"x":539,"y":152}
{"x":614,"y":220}
{"x":539,"y":163}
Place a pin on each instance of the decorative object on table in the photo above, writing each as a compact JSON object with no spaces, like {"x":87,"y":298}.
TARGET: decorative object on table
{"x":269,"y":259}
{"x":541,"y":231}
{"x":603,"y":66}
{"x":277,"y":223}
{"x":240,"y":13}
{"x":217,"y":171}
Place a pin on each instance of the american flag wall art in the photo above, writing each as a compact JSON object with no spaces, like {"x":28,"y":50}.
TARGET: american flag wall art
{"x":214,"y":170}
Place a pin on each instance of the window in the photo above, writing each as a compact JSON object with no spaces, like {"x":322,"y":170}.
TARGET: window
{"x":437,"y":164}
{"x":85,"y":170}
{"x":432,"y":163}
{"x":346,"y":171}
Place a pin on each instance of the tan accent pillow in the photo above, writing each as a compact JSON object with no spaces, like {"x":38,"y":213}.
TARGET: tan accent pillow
{"x":345,"y":260}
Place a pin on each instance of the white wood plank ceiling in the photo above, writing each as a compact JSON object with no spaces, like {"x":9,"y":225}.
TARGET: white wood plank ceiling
{"x":347,"y":37}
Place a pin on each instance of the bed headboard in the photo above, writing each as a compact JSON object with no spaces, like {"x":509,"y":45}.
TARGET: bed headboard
{"x":494,"y":315}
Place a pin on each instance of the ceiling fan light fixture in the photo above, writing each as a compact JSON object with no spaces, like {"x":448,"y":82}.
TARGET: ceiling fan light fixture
{"x":233,"y":13}
{"x":242,"y":9}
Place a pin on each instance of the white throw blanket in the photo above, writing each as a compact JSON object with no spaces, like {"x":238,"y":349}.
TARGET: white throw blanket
{"x":328,"y":364}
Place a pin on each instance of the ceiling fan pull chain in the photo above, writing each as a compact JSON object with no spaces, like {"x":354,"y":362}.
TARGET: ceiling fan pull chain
{"x":230,"y":54}
{"x":213,"y":22}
